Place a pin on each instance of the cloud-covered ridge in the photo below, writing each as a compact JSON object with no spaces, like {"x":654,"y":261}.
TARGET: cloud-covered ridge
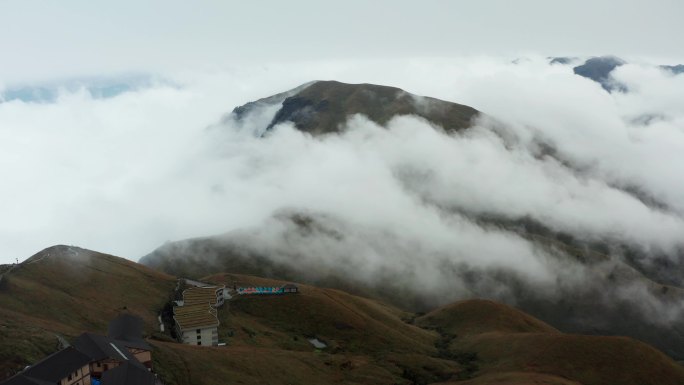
{"x":495,"y":210}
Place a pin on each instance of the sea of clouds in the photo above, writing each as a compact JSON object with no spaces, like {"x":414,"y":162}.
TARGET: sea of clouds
{"x":123,"y":174}
{"x":163,"y":161}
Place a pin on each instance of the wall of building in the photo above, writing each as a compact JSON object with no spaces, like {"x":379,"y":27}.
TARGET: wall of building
{"x":189,"y":337}
{"x":144,"y":356}
{"x":210,"y":336}
{"x":96,"y":368}
{"x":220,"y":297}
{"x":79,"y":377}
{"x":206,"y":336}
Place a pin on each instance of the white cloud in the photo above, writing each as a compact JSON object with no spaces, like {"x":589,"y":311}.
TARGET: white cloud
{"x":122,"y":175}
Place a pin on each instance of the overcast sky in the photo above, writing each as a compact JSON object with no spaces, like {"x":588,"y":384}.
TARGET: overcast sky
{"x":45,"y":39}
{"x":124,"y":174}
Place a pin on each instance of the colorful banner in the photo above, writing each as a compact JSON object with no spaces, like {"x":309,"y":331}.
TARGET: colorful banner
{"x":266,"y":290}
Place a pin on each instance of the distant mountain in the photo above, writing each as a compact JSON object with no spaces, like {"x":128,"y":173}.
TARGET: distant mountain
{"x":98,"y":88}
{"x":322,"y":107}
{"x":598,"y":69}
{"x":562,"y":60}
{"x":676,"y":69}
{"x":599,"y":308}
{"x":612,"y":267}
{"x":66,"y":290}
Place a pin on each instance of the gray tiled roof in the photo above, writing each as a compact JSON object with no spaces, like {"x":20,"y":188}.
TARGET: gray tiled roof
{"x":99,"y":347}
{"x":52,"y":368}
{"x":128,"y":330}
{"x":129,"y":375}
{"x":21,"y":379}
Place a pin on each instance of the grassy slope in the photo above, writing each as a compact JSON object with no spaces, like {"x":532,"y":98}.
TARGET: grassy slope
{"x":68,"y":290}
{"x":368,"y":342}
{"x":251,"y":365}
{"x":481,"y":316}
{"x":346,"y":322}
{"x":257,"y":365}
{"x":512,"y":347}
{"x":590,"y":310}
{"x":589,"y":360}
{"x":515,"y":378}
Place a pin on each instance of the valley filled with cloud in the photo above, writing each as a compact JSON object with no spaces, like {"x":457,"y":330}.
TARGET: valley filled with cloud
{"x":441,"y":212}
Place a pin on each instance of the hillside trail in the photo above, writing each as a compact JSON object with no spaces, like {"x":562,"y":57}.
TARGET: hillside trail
{"x":27,"y":262}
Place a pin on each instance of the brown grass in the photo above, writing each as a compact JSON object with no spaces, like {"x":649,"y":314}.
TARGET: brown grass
{"x":589,"y":360}
{"x":481,"y":316}
{"x":252,"y":365}
{"x":515,"y":378}
{"x":67,"y":291}
{"x":345,"y":322}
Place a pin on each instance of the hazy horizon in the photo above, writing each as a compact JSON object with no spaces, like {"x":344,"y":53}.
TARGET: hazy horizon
{"x":76,"y":38}
{"x":104,"y":124}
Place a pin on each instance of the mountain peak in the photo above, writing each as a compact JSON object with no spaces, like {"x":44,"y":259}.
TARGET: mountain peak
{"x":323,"y":107}
{"x":599,"y":68}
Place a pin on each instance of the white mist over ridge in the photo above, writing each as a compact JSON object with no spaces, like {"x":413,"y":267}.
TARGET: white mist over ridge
{"x":124,"y":174}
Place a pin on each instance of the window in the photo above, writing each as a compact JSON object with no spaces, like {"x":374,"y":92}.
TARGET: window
{"x":199,"y":342}
{"x":199,"y":337}
{"x":199,"y":331}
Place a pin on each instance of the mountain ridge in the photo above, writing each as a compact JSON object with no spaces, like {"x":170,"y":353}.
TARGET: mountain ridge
{"x":611,"y":267}
{"x":368,"y":342}
{"x":323,"y":107}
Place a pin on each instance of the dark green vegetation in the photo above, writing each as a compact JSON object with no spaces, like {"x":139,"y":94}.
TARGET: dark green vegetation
{"x":67,"y":290}
{"x":324,"y":106}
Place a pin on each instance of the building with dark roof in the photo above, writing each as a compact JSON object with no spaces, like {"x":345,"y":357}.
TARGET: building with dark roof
{"x":92,"y":356}
{"x":127,"y":330}
{"x":104,"y":352}
{"x":126,"y":327}
{"x":99,"y":347}
{"x":65,"y":367}
{"x":21,"y":379}
{"x":127,"y":374}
